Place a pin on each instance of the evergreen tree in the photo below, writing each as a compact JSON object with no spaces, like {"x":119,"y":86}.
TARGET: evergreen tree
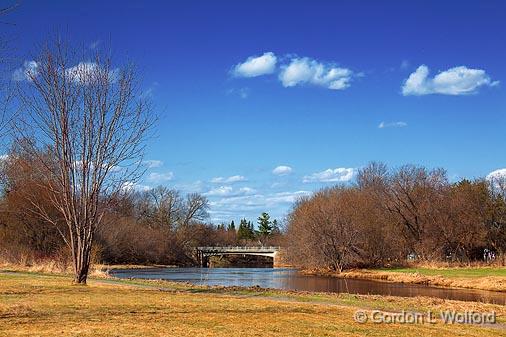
{"x":264,"y":226}
{"x":231,"y":226}
{"x":275,"y":228}
{"x":251,"y":230}
{"x":244,"y":231}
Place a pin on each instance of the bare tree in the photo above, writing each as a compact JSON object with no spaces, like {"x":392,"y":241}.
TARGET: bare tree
{"x":161,"y":207}
{"x":195,"y":208}
{"x":321,"y":230}
{"x":6,"y":58}
{"x":166,"y":208}
{"x":413,"y":195}
{"x":497,"y":221}
{"x":93,"y":121}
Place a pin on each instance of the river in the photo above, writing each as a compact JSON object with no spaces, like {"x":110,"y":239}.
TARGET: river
{"x":290,"y":279}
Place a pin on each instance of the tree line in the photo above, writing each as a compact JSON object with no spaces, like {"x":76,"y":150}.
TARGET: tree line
{"x":392,"y":216}
{"x":156,"y":226}
{"x":268,"y":232}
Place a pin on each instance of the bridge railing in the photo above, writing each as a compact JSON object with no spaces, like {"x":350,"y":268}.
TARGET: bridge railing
{"x":240,"y":248}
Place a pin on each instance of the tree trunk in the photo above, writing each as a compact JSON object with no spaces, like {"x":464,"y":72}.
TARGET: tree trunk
{"x":81,"y":259}
{"x":81,"y":274}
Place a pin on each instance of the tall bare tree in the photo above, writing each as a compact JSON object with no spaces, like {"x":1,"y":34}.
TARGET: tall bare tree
{"x":93,"y":120}
{"x":7,"y":111}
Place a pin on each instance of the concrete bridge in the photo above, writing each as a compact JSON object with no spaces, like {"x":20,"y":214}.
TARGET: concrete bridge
{"x":203,"y":253}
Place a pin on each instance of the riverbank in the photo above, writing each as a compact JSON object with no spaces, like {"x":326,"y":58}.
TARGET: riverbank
{"x":53,"y":267}
{"x":484,"y":278}
{"x":49,"y":305}
{"x":108,"y":267}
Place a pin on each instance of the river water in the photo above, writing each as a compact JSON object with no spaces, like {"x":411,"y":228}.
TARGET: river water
{"x":290,"y":279}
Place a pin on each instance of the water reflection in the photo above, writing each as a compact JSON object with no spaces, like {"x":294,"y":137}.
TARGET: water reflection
{"x":283,"y":278}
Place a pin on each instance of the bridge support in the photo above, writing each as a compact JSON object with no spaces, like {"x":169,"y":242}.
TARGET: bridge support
{"x":203,"y":259}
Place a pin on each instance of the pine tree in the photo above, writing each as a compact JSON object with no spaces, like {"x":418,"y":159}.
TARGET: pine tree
{"x":251,"y":230}
{"x":275,"y":228}
{"x":264,"y":226}
{"x":244,"y":232}
{"x":231,"y":226}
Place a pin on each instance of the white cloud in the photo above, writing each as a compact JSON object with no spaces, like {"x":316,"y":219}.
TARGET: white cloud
{"x":27,"y":72}
{"x":497,"y":180}
{"x":383,"y":125}
{"x":85,"y":72}
{"x":339,"y":174}
{"x":152,"y":163}
{"x":114,"y":168}
{"x":286,"y":197}
{"x":235,"y":203}
{"x":229,"y":191}
{"x":308,"y":71}
{"x":160,"y":177}
{"x":129,"y":186}
{"x":257,"y":201}
{"x":282,"y":170}
{"x":250,"y":206}
{"x":220,"y":191}
{"x":82,"y":73}
{"x":497,"y":175}
{"x":455,"y":81}
{"x":228,"y":180}
{"x":197,"y":186}
{"x":256,"y":66}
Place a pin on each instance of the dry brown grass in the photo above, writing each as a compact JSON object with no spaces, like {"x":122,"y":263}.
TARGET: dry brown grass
{"x":494,"y":283}
{"x":440,"y":277}
{"x":50,"y":266}
{"x":48,"y":305}
{"x":108,"y":267}
{"x":446,"y":265}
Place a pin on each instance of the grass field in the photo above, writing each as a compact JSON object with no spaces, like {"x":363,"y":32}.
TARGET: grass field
{"x":36,"y":304}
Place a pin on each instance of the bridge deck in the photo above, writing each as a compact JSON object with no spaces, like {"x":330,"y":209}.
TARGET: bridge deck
{"x":204,"y":253}
{"x":240,"y":249}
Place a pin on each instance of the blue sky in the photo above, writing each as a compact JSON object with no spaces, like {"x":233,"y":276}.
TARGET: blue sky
{"x":320,"y":87}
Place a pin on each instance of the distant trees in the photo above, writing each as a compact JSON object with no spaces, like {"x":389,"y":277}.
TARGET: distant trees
{"x":166,"y":207}
{"x":91,"y":119}
{"x":267,"y":232}
{"x":496,"y":220}
{"x":231,"y":226}
{"x":156,"y":226}
{"x":390,"y":215}
{"x":245,"y":231}
{"x":22,"y":230}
